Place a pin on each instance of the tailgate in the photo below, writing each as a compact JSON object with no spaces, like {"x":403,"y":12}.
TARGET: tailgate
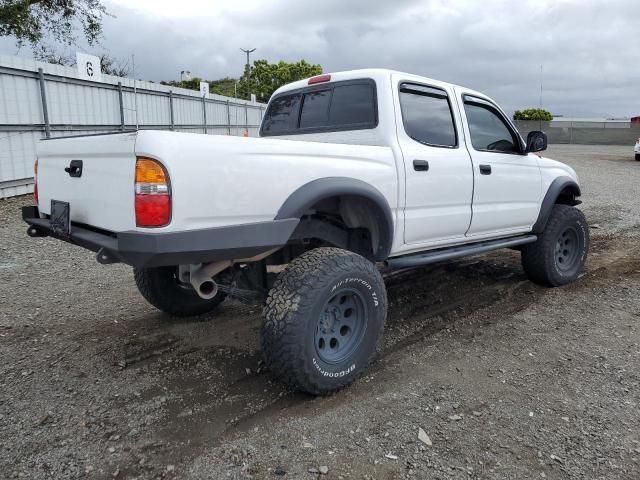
{"x":103,"y":195}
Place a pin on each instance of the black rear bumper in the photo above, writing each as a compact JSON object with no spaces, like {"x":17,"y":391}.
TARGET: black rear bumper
{"x":153,"y":249}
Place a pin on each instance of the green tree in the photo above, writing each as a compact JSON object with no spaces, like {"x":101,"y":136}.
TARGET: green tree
{"x":224,"y":86}
{"x":192,"y":84}
{"x":109,"y":65}
{"x":114,"y":66}
{"x":539,"y":114}
{"x":32,"y":20}
{"x":267,"y":77}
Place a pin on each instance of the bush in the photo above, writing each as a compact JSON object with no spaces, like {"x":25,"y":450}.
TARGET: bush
{"x":533,"y":114}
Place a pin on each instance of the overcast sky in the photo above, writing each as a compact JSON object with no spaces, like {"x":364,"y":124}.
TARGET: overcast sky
{"x":590,"y":50}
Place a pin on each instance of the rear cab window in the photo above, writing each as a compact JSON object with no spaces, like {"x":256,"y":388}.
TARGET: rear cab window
{"x":327,"y":107}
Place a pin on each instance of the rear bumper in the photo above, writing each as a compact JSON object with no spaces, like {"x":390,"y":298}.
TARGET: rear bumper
{"x":153,"y":249}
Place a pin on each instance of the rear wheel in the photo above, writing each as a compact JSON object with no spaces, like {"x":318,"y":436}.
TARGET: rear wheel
{"x":161,"y":287}
{"x":323,"y":320}
{"x":559,"y":254}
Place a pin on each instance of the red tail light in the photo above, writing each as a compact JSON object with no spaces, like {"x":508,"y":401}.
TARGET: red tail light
{"x":319,"y":79}
{"x":153,"y":194}
{"x":35,"y":178}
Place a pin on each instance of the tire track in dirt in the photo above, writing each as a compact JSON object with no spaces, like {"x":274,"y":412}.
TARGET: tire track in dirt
{"x":423,"y":301}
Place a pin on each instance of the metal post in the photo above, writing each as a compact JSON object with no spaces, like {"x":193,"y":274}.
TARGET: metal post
{"x":570,"y":133}
{"x":173,"y":126}
{"x":135,"y":90}
{"x":121,"y":106}
{"x":229,"y":116}
{"x":45,"y":111}
{"x":246,"y":119}
{"x":248,"y":72}
{"x":204,"y":113}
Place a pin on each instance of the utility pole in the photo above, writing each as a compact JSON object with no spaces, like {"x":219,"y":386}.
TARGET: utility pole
{"x":540,"y":95}
{"x":248,"y":72}
{"x":540,"y":86}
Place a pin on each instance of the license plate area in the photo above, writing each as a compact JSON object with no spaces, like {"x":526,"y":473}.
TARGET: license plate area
{"x":60,"y":220}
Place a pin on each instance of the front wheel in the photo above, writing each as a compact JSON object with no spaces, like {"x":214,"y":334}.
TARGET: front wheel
{"x":161,"y":287}
{"x":323,"y":320}
{"x":559,"y":254}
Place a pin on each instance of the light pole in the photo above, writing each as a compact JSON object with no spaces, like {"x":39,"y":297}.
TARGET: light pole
{"x":248,"y":72}
{"x":540,"y":96}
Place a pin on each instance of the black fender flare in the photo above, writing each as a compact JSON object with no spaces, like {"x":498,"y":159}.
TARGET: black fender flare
{"x":322,"y":188}
{"x":556,"y":188}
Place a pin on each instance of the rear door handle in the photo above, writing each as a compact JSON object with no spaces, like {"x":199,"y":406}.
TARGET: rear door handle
{"x":485,"y":169}
{"x":420,"y":165}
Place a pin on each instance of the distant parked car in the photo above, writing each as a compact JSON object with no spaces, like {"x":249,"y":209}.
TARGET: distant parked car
{"x":637,"y":150}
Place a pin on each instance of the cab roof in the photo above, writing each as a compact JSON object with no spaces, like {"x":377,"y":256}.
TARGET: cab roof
{"x":378,"y":74}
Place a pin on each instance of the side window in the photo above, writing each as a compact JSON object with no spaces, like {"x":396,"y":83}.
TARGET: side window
{"x":488,"y":130}
{"x":315,"y":109}
{"x":282,"y":115}
{"x":427,"y":116}
{"x":352,"y":105}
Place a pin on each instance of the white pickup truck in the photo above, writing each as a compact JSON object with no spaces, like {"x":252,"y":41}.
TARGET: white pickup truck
{"x":354,"y":171}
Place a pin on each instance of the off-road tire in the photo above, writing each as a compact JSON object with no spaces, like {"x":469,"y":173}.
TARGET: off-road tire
{"x":565,"y":238}
{"x":161,"y":288}
{"x":296,"y":309}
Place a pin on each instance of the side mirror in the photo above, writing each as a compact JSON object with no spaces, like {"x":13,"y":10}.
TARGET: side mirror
{"x":536,"y":142}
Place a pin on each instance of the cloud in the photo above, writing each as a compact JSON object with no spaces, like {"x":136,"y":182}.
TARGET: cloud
{"x":590,"y":51}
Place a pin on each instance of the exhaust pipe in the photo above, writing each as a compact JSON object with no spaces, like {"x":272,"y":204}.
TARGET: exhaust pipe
{"x":201,"y":276}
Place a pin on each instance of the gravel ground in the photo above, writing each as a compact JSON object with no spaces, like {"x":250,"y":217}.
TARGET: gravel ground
{"x":506,"y":379}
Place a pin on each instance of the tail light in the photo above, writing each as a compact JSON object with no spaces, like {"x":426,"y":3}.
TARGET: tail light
{"x":153,"y":194}
{"x":319,"y":79}
{"x":35,"y":178}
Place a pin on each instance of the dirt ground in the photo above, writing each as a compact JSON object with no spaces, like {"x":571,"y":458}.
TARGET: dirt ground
{"x":507,"y":379}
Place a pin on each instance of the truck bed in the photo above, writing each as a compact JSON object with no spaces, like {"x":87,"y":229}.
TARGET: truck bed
{"x":214,"y":179}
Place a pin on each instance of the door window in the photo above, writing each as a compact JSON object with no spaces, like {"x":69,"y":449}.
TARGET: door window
{"x":427,"y":116}
{"x":489,"y":131}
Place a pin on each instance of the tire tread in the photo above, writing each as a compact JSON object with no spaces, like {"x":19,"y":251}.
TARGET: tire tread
{"x":289,"y":303}
{"x":157,"y":288}
{"x":535,"y":256}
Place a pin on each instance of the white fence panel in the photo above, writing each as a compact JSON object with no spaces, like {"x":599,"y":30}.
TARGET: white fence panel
{"x":19,"y":100}
{"x":39,"y":100}
{"x":187,"y":111}
{"x":71,"y":104}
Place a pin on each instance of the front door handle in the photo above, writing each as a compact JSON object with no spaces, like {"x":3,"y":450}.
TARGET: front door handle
{"x":485,"y":169}
{"x":420,"y":165}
